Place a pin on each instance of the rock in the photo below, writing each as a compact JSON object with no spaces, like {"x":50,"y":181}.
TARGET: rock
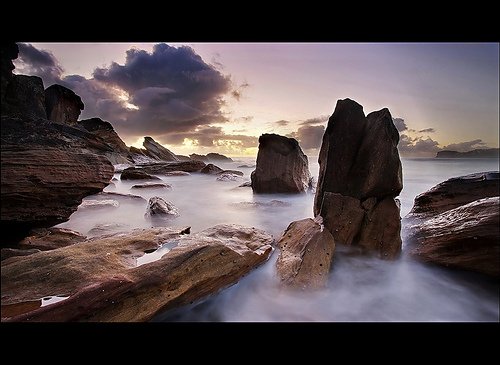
{"x":43,"y":187}
{"x":233,"y":172}
{"x":342,"y":216}
{"x":272,"y":204}
{"x":132,"y":173}
{"x":176,"y":173}
{"x":159,"y":207}
{"x":183,"y":158}
{"x":45,"y":239}
{"x":246,"y":184}
{"x":210,"y":157}
{"x":466,"y":237}
{"x":359,"y":156}
{"x":97,"y":204}
{"x":282,"y":167}
{"x":163,"y":168}
{"x":228,"y":177}
{"x":8,"y":52}
{"x":196,"y":157}
{"x":306,"y":254}
{"x":360,"y":174}
{"x":247,"y":166}
{"x":7,"y":253}
{"x":105,"y":131}
{"x":101,"y":229}
{"x":157,"y":151}
{"x":62,"y":104}
{"x":455,"y":192}
{"x":103,"y":283}
{"x":477,"y":153}
{"x":151,"y":186}
{"x":119,"y":196}
{"x":211,"y":169}
{"x":24,"y":97}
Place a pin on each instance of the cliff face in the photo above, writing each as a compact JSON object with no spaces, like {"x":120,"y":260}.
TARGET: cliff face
{"x":479,"y":153}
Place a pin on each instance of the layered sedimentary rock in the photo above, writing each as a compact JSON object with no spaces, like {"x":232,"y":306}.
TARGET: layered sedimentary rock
{"x":62,"y":104}
{"x":105,"y":279}
{"x":360,"y":175}
{"x":157,"y":151}
{"x":164,"y":168}
{"x":281,"y":167}
{"x":456,"y":224}
{"x":24,"y":97}
{"x":131,"y":173}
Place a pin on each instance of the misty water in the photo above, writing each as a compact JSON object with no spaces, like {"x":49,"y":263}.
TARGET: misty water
{"x":359,"y":289}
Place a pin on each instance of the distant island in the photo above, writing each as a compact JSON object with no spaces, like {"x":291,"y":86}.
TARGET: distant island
{"x":479,"y":153}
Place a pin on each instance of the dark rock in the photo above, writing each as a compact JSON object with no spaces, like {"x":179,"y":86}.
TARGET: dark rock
{"x":159,"y":207}
{"x":119,"y":196}
{"x":176,"y":173}
{"x":246,"y":184}
{"x":225,"y":176}
{"x":132,"y":173}
{"x":7,"y":253}
{"x":306,"y":254}
{"x":62,"y":104}
{"x":211,"y":169}
{"x":466,"y":237}
{"x":233,"y":172}
{"x":104,"y":283}
{"x":217,"y":157}
{"x":196,"y":157}
{"x":24,"y":97}
{"x":359,"y":155}
{"x":163,"y":168}
{"x":45,"y":239}
{"x":455,"y":192}
{"x":477,"y":153}
{"x":8,"y":52}
{"x":282,"y":167}
{"x":183,"y":158}
{"x":101,"y":229}
{"x":247,"y":166}
{"x":157,"y":151}
{"x":151,"y":186}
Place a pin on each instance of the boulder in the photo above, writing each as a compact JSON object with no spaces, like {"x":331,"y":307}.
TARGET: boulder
{"x":211,"y":169}
{"x":176,"y":173}
{"x":233,"y":172}
{"x":62,"y":104}
{"x":45,"y":239}
{"x":455,"y":192}
{"x":359,"y":156}
{"x":102,"y":280}
{"x":132,"y":173}
{"x":157,"y":151}
{"x":97,"y":204}
{"x":246,"y":184}
{"x":466,"y":237}
{"x":43,"y":187}
{"x":163,"y":168}
{"x":217,"y":157}
{"x":24,"y":97}
{"x":151,"y":186}
{"x":360,"y":174}
{"x":159,"y":207}
{"x":282,"y":167}
{"x":225,"y":176}
{"x":306,"y":254}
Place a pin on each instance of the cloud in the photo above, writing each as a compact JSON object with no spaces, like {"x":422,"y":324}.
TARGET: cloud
{"x":309,"y":136}
{"x":315,"y":121}
{"x":465,"y":146}
{"x":427,"y":130}
{"x":417,"y":147}
{"x":32,"y":61}
{"x":400,"y":124}
{"x":238,"y":92}
{"x":282,"y":123}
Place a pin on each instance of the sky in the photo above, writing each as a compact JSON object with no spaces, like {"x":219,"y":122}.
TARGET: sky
{"x":220,"y":97}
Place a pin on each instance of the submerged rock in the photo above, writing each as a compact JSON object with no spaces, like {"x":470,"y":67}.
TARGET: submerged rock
{"x":225,"y":176}
{"x":119,"y":196}
{"x":131,"y":173}
{"x":104,"y":284}
{"x":282,"y":167}
{"x":159,"y":207}
{"x":151,"y":186}
{"x":97,"y":204}
{"x":306,"y":254}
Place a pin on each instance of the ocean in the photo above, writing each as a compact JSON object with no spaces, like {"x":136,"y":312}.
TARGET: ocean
{"x":359,"y":288}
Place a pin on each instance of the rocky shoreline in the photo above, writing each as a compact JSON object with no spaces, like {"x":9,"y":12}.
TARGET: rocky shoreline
{"x":51,"y":161}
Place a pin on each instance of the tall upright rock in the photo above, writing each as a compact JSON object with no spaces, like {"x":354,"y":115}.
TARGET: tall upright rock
{"x":157,"y":151}
{"x":282,"y":167}
{"x":360,"y":175}
{"x":62,"y":104}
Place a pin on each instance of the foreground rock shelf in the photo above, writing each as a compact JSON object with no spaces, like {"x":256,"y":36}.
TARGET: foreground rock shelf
{"x":102,"y":281}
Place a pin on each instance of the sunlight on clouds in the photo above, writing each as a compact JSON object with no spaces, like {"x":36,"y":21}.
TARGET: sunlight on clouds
{"x":125,"y":98}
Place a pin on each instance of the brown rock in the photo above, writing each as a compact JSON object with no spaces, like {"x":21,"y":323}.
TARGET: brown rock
{"x":306,"y":254}
{"x":24,"y":97}
{"x":8,"y":252}
{"x":381,"y":229}
{"x":41,"y":188}
{"x":62,"y":104}
{"x":455,"y":192}
{"x":151,"y":186}
{"x":359,"y":156}
{"x":342,"y":216}
{"x":132,"y":173}
{"x":282,"y":167}
{"x":211,"y":169}
{"x":466,"y":237}
{"x":176,"y":173}
{"x":233,"y":172}
{"x":118,"y":196}
{"x":104,"y":284}
{"x":163,"y":168}
{"x":157,"y":151}
{"x":159,"y":207}
{"x":45,"y":239}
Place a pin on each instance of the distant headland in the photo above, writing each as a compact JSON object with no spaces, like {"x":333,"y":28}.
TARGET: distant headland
{"x":478,"y":153}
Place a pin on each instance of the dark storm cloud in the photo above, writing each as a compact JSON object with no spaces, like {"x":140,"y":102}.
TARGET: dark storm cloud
{"x":32,"y":61}
{"x":465,"y":146}
{"x":427,"y":130}
{"x":310,"y":137}
{"x":417,"y":147}
{"x":400,"y":124}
